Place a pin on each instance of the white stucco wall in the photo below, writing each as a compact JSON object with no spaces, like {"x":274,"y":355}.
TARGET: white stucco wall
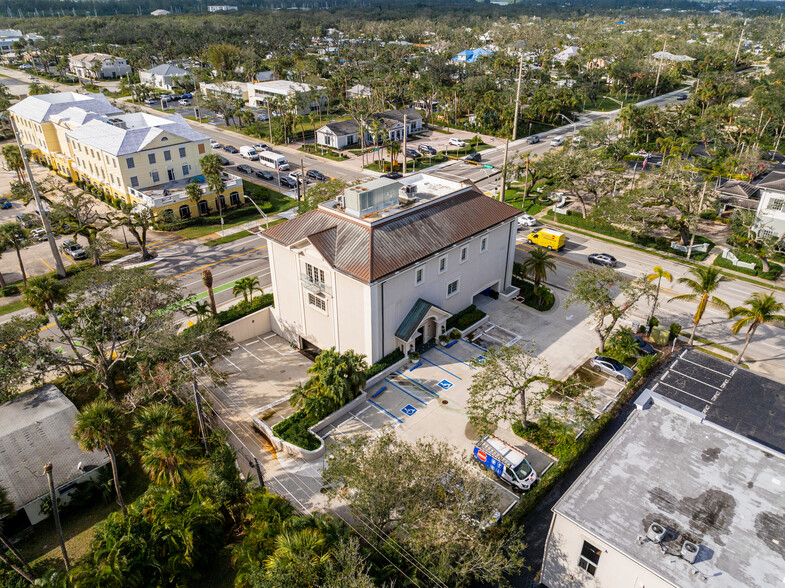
{"x":33,"y":509}
{"x":614,"y":570}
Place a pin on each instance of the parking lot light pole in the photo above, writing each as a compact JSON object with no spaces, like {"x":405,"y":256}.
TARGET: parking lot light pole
{"x":44,"y":218}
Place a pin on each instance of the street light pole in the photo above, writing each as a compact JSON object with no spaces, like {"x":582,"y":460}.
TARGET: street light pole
{"x":517,"y":100}
{"x":44,"y":218}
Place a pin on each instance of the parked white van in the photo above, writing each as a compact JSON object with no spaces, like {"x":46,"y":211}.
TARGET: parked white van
{"x":557,"y":140}
{"x":249,"y":153}
{"x":273,"y":160}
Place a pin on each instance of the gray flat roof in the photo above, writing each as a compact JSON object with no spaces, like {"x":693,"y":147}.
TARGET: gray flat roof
{"x":702,"y":483}
{"x":725,"y":394}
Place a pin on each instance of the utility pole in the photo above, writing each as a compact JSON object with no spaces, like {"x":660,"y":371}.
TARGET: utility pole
{"x":44,"y":218}
{"x":700,"y":208}
{"x":302,"y":177}
{"x":56,"y":514}
{"x":659,"y":69}
{"x":504,"y":171}
{"x":270,"y":121}
{"x":404,"y":143}
{"x":259,"y":472}
{"x":517,"y":101}
{"x":738,"y":47}
{"x":199,"y":415}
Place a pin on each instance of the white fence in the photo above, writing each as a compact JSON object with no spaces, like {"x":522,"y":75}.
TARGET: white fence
{"x":729,"y":255}
{"x":702,"y":247}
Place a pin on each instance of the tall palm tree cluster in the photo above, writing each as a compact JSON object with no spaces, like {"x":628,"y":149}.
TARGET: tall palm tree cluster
{"x":336,"y":378}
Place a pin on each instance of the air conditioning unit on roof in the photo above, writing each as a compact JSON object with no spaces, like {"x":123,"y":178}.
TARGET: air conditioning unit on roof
{"x":690,"y":551}
{"x":655,"y":533}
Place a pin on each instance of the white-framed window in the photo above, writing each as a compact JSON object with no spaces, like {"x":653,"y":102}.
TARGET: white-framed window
{"x":167,"y":155}
{"x":464,"y":253}
{"x":590,"y":558}
{"x":129,"y":161}
{"x":151,"y":158}
{"x":442,"y":264}
{"x":418,"y":276}
{"x":182,"y":152}
{"x":155,"y":176}
{"x":453,"y":288}
{"x":134,"y":182}
{"x":317,"y":301}
{"x":776,"y":204}
{"x":483,"y":244}
{"x":186,"y":169}
{"x":765,"y":232}
{"x":315,"y":275}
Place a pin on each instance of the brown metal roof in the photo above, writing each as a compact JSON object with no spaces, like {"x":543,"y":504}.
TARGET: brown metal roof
{"x":370,"y":253}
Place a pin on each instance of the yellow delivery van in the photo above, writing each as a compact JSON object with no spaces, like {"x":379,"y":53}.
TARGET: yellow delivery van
{"x":547,"y":238}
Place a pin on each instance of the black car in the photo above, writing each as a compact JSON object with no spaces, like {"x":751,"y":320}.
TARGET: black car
{"x":231,"y":149}
{"x":412,"y":153}
{"x":246,"y":169}
{"x":533,"y":139}
{"x":288,"y":182}
{"x":645,"y":348}
{"x":224,"y":161}
{"x":603,"y":259}
{"x":393,"y":176}
{"x":427,"y":150}
{"x":682,"y":96}
{"x":264,"y":174}
{"x":316,"y":175}
{"x":473,"y":157}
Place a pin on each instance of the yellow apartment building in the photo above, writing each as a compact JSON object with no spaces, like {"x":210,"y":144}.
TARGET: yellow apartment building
{"x":140,"y":158}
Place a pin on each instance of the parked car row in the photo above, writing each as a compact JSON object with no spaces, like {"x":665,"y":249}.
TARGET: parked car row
{"x":289,"y":181}
{"x":182,"y":99}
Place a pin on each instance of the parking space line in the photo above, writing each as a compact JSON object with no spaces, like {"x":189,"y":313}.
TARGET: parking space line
{"x":259,"y":359}
{"x":691,"y":378}
{"x":441,"y":368}
{"x":455,"y":358}
{"x":706,"y":368}
{"x":385,"y":410}
{"x":709,"y":402}
{"x":474,"y":345}
{"x":363,"y":422}
{"x":404,"y":391}
{"x":418,"y":384}
{"x":47,"y":265}
{"x":231,"y":362}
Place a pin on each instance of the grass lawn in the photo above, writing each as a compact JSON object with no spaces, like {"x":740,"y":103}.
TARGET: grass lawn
{"x":12,"y":307}
{"x":411,"y":165}
{"x":326,"y":153}
{"x":228,"y":238}
{"x":515,"y":198}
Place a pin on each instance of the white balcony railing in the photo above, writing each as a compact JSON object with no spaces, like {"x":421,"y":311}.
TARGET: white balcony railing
{"x":315,"y":285}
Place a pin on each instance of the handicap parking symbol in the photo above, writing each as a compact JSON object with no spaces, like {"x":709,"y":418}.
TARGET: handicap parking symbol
{"x":445,"y":384}
{"x":408,"y":410}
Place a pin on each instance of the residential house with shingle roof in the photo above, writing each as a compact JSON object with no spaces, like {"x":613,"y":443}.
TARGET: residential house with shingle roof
{"x":340,"y":134}
{"x":736,"y":194}
{"x":35,"y":429}
{"x":165,"y":76}
{"x":388,"y":262}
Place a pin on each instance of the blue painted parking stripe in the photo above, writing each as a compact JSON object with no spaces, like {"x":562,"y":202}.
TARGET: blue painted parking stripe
{"x":418,"y":384}
{"x":455,"y":358}
{"x":385,"y":410}
{"x":444,"y":370}
{"x":404,"y":391}
{"x":473,"y":345}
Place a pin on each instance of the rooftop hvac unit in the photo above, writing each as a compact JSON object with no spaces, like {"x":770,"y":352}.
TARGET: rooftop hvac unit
{"x":689,"y":551}
{"x":655,"y":533}
{"x":406,"y":194}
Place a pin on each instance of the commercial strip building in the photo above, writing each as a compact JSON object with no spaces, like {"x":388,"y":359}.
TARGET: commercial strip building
{"x":98,"y":66}
{"x":308,"y":98}
{"x":340,"y":134}
{"x":688,"y":493}
{"x":385,"y":265}
{"x":35,"y":429}
{"x":139,"y":158}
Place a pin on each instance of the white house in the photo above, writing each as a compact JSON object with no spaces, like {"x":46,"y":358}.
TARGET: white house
{"x":35,"y":428}
{"x":387,"y":263}
{"x":237,"y":90}
{"x":221,"y":8}
{"x":339,"y":134}
{"x":10,"y":36}
{"x":259,"y":93}
{"x":84,"y":66}
{"x":770,"y":220}
{"x":687,"y":494}
{"x":164,"y":76}
{"x":566,"y":54}
{"x":160,"y":12}
{"x":359,"y":91}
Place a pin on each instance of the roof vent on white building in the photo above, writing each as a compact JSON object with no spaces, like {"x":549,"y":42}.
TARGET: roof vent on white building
{"x":690,"y":551}
{"x":655,"y":533}
{"x":406,"y":195}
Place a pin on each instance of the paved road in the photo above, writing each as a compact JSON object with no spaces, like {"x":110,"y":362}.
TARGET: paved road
{"x":766,"y":352}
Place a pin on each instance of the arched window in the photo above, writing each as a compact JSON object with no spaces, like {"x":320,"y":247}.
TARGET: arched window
{"x":185,"y":211}
{"x":234,"y":199}
{"x":204,"y":208}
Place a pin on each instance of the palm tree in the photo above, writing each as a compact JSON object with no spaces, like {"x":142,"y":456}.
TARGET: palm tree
{"x":212,"y":170}
{"x":207,"y":280}
{"x":151,"y":418}
{"x":760,"y":309}
{"x":43,"y":294}
{"x":13,"y":235}
{"x":7,"y":508}
{"x":165,"y":452}
{"x":708,"y":280}
{"x":657,"y":274}
{"x":13,"y":159}
{"x":247,"y":286}
{"x":293,"y":545}
{"x":199,"y":309}
{"x":195,"y":195}
{"x":395,"y":150}
{"x":97,"y":426}
{"x":537,"y":265}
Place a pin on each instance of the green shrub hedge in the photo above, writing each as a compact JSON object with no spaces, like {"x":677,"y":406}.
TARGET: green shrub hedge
{"x":465,"y":318}
{"x":243,"y":308}
{"x":294,"y":430}
{"x":384,"y":363}
{"x":774,"y":268}
{"x":602,"y":228}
